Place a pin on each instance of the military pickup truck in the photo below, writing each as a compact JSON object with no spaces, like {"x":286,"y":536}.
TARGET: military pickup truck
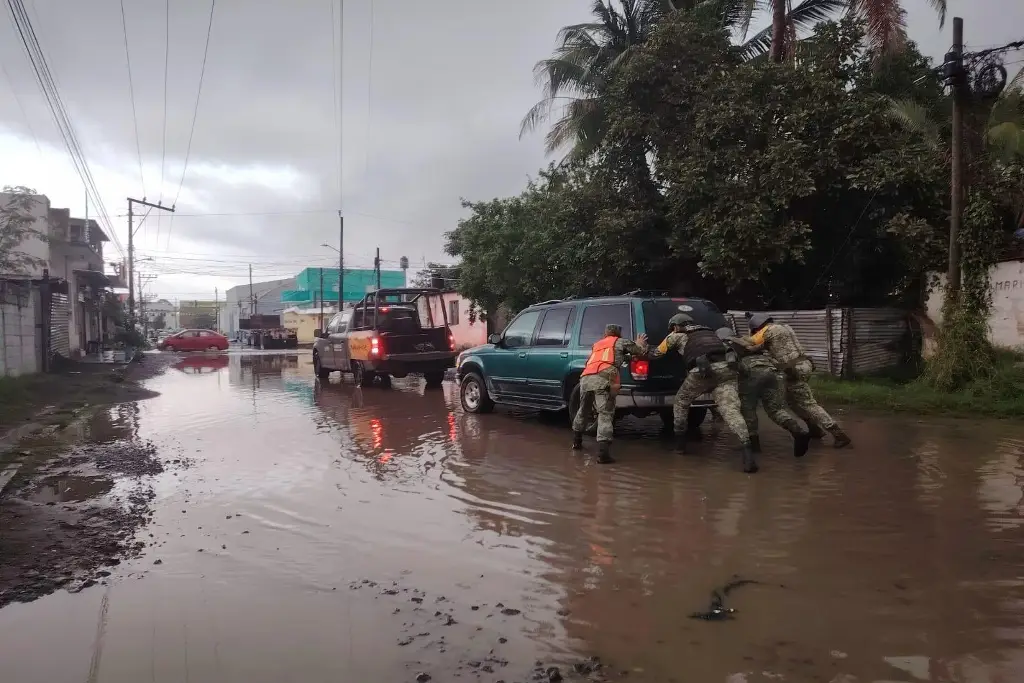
{"x":390,"y":333}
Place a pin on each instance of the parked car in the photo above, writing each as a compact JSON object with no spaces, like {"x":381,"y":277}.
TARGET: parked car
{"x":537,"y":361}
{"x":390,"y":333}
{"x":194,"y":340}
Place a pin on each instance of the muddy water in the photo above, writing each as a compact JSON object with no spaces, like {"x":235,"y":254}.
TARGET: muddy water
{"x":322,"y":532}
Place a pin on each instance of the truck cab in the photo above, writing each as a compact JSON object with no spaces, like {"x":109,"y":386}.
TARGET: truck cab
{"x":390,"y":333}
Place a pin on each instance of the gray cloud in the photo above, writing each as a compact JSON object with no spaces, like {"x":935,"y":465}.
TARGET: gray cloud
{"x":438,"y":119}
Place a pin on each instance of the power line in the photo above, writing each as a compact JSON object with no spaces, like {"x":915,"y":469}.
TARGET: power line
{"x":369,"y":95}
{"x":47,"y":84}
{"x":131,"y":95}
{"x":163,"y":151}
{"x":195,"y":114}
{"x":1008,"y":47}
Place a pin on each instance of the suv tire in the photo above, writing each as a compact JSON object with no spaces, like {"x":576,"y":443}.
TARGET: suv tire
{"x":318,"y":368}
{"x":473,"y":394}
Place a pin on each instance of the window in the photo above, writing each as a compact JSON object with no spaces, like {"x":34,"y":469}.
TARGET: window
{"x":453,"y":312}
{"x":658,"y":312}
{"x":336,"y":324}
{"x":596,"y":317}
{"x":553,"y":328}
{"x":520,"y":332}
{"x":206,"y":333}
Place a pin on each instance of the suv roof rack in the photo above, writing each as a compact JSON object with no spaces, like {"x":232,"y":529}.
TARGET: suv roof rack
{"x":647,"y":292}
{"x":545,"y":303}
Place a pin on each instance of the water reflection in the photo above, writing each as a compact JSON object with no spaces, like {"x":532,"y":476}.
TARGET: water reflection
{"x":896,"y":561}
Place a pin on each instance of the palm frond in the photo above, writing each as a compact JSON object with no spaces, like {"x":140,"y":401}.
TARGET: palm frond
{"x":1017,"y":82}
{"x":887,"y":24}
{"x":940,"y":9}
{"x":804,"y":18}
{"x":915,"y":118}
{"x":538,"y":114}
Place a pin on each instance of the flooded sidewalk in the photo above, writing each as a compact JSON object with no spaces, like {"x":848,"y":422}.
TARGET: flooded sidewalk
{"x":277,"y":528}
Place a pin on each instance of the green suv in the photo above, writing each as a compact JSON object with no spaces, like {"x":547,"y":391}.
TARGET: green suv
{"x":537,"y":361}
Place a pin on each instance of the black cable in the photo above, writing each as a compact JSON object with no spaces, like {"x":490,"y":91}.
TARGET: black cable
{"x":195,"y":115}
{"x":163,"y":151}
{"x":131,"y":95}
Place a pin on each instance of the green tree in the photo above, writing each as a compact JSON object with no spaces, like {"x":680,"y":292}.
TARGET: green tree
{"x":159,"y":321}
{"x":448,"y":273}
{"x":17,"y":226}
{"x":793,"y":182}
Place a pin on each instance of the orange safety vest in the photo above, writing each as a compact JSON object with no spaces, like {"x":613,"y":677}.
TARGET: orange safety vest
{"x":602,"y":356}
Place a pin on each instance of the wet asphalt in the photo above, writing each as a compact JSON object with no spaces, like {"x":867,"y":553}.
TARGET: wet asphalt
{"x":253,"y":524}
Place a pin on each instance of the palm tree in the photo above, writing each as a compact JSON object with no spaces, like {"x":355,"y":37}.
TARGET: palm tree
{"x":886,"y":20}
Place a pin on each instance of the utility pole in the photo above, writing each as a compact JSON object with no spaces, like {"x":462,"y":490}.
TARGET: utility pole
{"x":321,"y":298}
{"x":216,"y":309}
{"x":131,"y":252}
{"x":376,"y":266}
{"x":341,"y":260}
{"x":252,"y":298}
{"x":954,"y":64}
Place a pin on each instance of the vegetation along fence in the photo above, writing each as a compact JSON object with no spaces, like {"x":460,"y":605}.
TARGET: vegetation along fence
{"x":848,"y":341}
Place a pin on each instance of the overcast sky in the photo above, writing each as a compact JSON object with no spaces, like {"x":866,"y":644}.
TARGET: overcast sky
{"x":432,"y":95}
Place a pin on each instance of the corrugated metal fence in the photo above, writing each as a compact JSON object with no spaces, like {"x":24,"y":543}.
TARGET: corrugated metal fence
{"x":847,"y":341}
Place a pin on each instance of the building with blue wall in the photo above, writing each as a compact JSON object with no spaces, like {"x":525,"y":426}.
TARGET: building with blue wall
{"x":358,"y":282}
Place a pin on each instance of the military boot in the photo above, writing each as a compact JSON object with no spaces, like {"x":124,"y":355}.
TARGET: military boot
{"x":842,"y":439}
{"x":801,"y":442}
{"x":680,"y":445}
{"x":604,"y":454}
{"x":815,"y":431}
{"x":577,"y":440}
{"x":755,"y":443}
{"x":749,"y":460}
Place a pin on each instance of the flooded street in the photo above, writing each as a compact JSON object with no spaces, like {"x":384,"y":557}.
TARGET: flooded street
{"x":305,"y":531}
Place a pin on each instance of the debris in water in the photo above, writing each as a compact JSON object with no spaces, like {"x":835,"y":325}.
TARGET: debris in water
{"x":554,"y":675}
{"x":405,"y":641}
{"x":422,"y":677}
{"x":158,"y":562}
{"x":717,"y":611}
{"x":503,"y":640}
{"x":508,"y":611}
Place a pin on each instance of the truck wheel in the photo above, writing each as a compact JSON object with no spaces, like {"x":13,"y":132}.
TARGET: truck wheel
{"x":434,"y":379}
{"x":320,"y":370}
{"x":473,"y":394}
{"x":385,"y":379}
{"x":361,"y":376}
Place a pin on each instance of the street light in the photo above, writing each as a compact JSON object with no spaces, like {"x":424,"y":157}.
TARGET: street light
{"x":334,"y":249}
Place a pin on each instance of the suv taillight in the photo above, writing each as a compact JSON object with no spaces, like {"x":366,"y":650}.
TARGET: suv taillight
{"x":638,"y":369}
{"x":451,"y":341}
{"x":376,"y":347}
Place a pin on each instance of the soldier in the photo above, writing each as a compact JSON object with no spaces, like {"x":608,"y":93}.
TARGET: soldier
{"x":761,"y":382}
{"x":599,"y":385}
{"x":708,"y":368}
{"x":780,"y":343}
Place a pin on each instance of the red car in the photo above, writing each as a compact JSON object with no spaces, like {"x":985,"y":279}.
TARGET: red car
{"x":194,"y":340}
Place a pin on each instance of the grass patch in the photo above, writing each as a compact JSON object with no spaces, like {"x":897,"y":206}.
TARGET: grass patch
{"x":999,"y":394}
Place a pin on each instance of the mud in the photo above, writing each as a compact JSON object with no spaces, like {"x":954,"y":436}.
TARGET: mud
{"x":272,"y":527}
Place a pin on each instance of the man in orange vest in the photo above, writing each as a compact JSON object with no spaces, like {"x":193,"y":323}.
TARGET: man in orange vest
{"x":599,"y":385}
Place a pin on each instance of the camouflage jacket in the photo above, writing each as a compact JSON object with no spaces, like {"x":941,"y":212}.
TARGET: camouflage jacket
{"x":675,"y":341}
{"x":752,"y":359}
{"x":780,"y":343}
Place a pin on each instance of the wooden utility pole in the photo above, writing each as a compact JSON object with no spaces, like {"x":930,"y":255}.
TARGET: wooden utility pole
{"x":955,"y":62}
{"x":341,"y":260}
{"x":321,"y":298}
{"x":131,"y":252}
{"x":252,"y":298}
{"x":376,"y":266}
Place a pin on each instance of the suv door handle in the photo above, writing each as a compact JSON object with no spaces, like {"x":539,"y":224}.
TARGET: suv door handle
{"x":522,"y":355}
{"x":564,"y":354}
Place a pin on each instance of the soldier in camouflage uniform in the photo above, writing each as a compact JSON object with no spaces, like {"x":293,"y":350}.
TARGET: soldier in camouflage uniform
{"x":599,"y":385}
{"x":708,"y":368}
{"x":781,"y":344}
{"x":761,"y":382}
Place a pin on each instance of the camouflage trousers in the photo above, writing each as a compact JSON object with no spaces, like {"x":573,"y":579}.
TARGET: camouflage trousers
{"x":721,"y":382}
{"x":767,"y":387}
{"x":801,"y":399}
{"x":596,"y":395}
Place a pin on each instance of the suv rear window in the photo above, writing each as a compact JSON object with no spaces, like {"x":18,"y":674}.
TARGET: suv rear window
{"x":596,"y":316}
{"x":657,"y":313}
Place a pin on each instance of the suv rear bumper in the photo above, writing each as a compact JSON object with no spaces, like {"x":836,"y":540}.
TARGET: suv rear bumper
{"x":632,"y":400}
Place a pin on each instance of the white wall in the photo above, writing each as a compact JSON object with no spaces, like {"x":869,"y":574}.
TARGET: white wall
{"x":33,"y":246}
{"x":1006,"y":320}
{"x":19,"y":348}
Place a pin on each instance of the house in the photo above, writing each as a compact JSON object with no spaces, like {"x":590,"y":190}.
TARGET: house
{"x":468,"y":328}
{"x":154,"y":311}
{"x":199,"y":314}
{"x":305,"y":321}
{"x":261,"y":298}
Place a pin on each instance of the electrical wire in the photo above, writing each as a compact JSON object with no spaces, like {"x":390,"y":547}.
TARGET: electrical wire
{"x":47,"y":85}
{"x":131,"y":95}
{"x":163,"y":151}
{"x":195,"y":114}
{"x":369,"y":95}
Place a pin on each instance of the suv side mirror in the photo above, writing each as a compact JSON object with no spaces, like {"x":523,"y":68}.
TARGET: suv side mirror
{"x":318,"y":333}
{"x":494,"y":339}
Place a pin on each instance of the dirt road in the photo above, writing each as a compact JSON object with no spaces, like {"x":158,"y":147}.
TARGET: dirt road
{"x":252,"y":524}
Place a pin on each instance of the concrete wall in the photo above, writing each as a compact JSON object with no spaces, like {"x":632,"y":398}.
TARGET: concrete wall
{"x":20,"y":350}
{"x":34,"y":246}
{"x":1006,"y":319}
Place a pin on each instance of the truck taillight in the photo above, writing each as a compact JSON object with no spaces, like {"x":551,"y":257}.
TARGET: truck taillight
{"x":376,"y":347}
{"x":451,"y":341}
{"x":638,"y":369}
